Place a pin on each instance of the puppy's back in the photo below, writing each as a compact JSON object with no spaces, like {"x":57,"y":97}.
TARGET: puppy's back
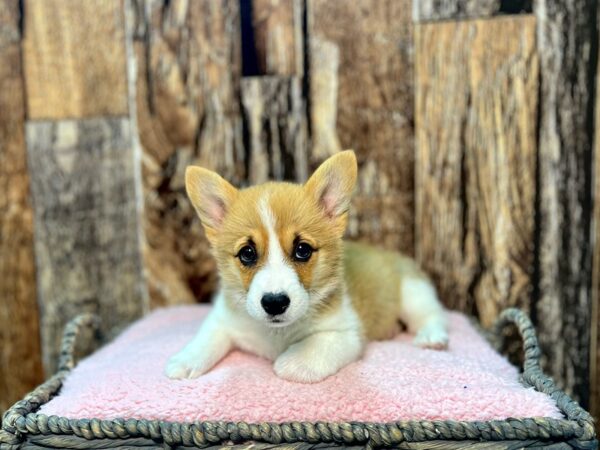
{"x":373,"y":277}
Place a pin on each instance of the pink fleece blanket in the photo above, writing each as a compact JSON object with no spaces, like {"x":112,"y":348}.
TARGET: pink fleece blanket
{"x":393,"y":381}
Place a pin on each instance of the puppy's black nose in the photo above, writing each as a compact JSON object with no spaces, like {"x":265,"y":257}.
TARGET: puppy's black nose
{"x":275,"y":304}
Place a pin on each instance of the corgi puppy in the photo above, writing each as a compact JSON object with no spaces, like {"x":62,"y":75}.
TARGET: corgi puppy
{"x":292,"y":290}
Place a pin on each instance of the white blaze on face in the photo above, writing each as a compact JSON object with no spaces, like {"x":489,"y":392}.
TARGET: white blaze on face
{"x":276,"y":277}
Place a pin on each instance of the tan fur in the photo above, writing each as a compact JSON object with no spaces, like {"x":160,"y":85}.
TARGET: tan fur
{"x":296,"y":217}
{"x":373,"y":277}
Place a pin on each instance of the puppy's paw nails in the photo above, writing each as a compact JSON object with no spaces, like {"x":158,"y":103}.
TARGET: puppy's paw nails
{"x":432,"y":338}
{"x":184,"y":366}
{"x":296,"y":369}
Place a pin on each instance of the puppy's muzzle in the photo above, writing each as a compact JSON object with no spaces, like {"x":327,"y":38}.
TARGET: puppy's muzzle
{"x":275,"y":304}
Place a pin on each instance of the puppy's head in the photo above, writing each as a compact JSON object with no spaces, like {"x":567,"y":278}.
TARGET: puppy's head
{"x":278,"y":245}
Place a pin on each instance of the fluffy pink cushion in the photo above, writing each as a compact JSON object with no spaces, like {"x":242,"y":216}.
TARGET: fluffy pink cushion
{"x":393,"y":381}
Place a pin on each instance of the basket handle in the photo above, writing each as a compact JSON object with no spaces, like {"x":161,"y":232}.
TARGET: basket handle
{"x":531,"y":347}
{"x":533,"y":374}
{"x":71,"y":336}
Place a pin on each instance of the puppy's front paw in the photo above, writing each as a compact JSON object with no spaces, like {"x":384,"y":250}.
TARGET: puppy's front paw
{"x":293,"y":366}
{"x":186,"y":364}
{"x":432,"y":337}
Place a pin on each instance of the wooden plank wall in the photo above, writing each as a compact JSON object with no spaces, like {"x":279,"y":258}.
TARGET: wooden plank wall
{"x":476,"y":161}
{"x":188,"y":112}
{"x":20,"y":357}
{"x":371,"y":71}
{"x":504,"y":178}
{"x":436,"y":10}
{"x":180,"y":121}
{"x":82,"y":167}
{"x":567,"y":45}
{"x":278,"y":38}
{"x":442,"y":108}
{"x":595,"y":316}
{"x":275,"y":116}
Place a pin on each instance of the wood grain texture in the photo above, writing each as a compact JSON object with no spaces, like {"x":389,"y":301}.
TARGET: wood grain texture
{"x":434,"y":10}
{"x":74,"y":59}
{"x":595,"y":239}
{"x":86,"y":225}
{"x":276,"y":120}
{"x":476,"y":161}
{"x":373,"y":111}
{"x":20,"y":358}
{"x":278,"y":37}
{"x":9,"y":18}
{"x":566,"y":35}
{"x":188,"y":56}
{"x":324,"y":85}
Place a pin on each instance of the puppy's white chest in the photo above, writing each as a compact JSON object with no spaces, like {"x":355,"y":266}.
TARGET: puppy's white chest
{"x":255,"y":338}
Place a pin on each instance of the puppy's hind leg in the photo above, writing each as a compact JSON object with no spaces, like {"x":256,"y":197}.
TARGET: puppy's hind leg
{"x":423,"y":314}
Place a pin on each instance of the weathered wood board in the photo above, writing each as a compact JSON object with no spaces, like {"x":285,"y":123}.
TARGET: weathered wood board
{"x":476,"y":161}
{"x":436,"y":10}
{"x":87,"y":240}
{"x":10,"y":16}
{"x":277,"y":26}
{"x":188,"y":112}
{"x":595,"y":239}
{"x":20,"y":359}
{"x":275,"y":116}
{"x":595,"y":319}
{"x":367,"y":82}
{"x":566,"y":36}
{"x":74,"y":59}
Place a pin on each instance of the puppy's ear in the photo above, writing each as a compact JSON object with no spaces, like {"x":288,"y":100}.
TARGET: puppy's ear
{"x":211,"y":196}
{"x":332,"y":184}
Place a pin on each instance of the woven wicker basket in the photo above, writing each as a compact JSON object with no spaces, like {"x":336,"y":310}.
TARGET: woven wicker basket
{"x":23,"y":428}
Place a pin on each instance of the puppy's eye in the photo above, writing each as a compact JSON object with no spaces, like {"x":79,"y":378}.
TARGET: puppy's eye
{"x":248,"y":255}
{"x":302,"y":252}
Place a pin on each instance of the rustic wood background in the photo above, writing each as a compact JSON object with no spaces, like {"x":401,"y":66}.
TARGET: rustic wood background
{"x":473,"y":122}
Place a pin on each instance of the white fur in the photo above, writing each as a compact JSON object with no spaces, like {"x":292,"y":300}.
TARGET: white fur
{"x":422,"y":312}
{"x":210,"y":344}
{"x":303,"y":352}
{"x":310,"y":349}
{"x":277,"y":276}
{"x":330,"y":344}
